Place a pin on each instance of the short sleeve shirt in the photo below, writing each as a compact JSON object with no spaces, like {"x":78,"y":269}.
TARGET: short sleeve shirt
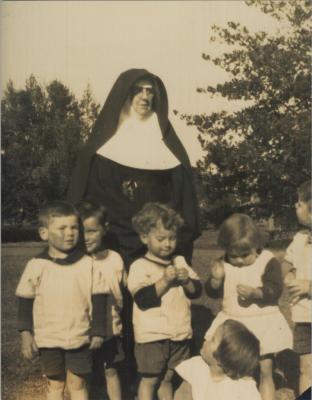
{"x":299,"y":254}
{"x":197,"y":373}
{"x":172,"y":319}
{"x":62,"y":300}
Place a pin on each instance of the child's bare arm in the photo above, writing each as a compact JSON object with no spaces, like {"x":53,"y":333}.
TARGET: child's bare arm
{"x":214,"y":283}
{"x":28,"y":345}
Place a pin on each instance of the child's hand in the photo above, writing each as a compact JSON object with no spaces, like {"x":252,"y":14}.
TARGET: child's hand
{"x":245,"y":292}
{"x":217,"y":270}
{"x":29,"y":347}
{"x":298,"y":288}
{"x":182,"y":275}
{"x":170,"y":274}
{"x":96,"y":342}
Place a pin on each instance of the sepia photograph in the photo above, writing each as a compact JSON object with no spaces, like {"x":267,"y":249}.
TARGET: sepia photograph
{"x":156,"y":200}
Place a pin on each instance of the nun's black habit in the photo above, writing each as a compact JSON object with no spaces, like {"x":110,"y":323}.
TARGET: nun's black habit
{"x":123,"y":189}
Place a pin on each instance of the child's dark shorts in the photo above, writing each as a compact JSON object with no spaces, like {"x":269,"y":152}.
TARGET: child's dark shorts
{"x":302,"y":338}
{"x":153,"y":358}
{"x":56,"y":361}
{"x":110,"y":354}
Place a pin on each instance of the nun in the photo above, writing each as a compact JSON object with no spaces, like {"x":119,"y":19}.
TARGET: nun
{"x":134,"y":156}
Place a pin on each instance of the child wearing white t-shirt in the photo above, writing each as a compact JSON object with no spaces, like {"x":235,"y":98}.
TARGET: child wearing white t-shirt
{"x":162,"y":286}
{"x":225,"y":366}
{"x":109,"y":265}
{"x":61,"y":302}
{"x":298,"y":283}
{"x":250,"y":281}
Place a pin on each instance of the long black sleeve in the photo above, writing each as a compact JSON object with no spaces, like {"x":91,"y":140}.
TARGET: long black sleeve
{"x":272,"y":283}
{"x":25,"y":314}
{"x":146,"y":298}
{"x":99,"y":322}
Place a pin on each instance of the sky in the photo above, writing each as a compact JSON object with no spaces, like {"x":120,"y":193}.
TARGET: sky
{"x":92,"y":42}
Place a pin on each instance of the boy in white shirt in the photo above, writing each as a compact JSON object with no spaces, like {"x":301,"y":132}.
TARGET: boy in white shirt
{"x":225,"y":366}
{"x":161,"y":286}
{"x":61,"y":303}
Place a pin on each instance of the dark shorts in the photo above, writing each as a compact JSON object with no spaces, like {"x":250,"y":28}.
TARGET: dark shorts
{"x":302,"y":338}
{"x":154,"y":358}
{"x":110,"y":353}
{"x":56,"y":361}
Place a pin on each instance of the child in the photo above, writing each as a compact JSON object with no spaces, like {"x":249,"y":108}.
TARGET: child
{"x":55,"y":303}
{"x":251,"y":280}
{"x":298,"y":283}
{"x":161,"y":286}
{"x":110,"y":266}
{"x":225,"y":366}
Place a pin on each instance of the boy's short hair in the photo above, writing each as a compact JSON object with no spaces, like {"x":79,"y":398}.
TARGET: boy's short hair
{"x":304,"y":192}
{"x":241,"y":233}
{"x":55,"y":209}
{"x":148,"y":217}
{"x":238,"y":353}
{"x":89,"y":208}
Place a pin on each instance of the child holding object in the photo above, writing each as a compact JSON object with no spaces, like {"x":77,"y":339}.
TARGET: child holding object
{"x":161,"y":286}
{"x":251,"y":281}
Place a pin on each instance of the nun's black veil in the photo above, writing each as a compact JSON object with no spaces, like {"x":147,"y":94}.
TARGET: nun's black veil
{"x":105,"y":127}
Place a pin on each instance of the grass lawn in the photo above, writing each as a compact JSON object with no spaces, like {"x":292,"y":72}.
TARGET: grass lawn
{"x":21,"y":379}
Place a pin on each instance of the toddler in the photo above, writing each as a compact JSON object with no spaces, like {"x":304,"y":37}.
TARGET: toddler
{"x":225,"y":366}
{"x":251,"y":281}
{"x":161,"y":286}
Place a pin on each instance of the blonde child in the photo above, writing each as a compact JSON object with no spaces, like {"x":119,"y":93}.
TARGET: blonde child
{"x":161,"y":286}
{"x":56,"y":294}
{"x":251,"y":281}
{"x":226,"y":365}
{"x":298,"y":283}
{"x":110,"y":266}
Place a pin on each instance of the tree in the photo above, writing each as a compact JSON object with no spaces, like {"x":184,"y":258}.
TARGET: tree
{"x":265,"y":147}
{"x":42,"y":130}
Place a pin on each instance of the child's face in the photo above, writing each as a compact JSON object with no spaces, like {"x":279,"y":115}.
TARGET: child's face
{"x":211,"y":345}
{"x":93,"y":234}
{"x":303,"y":213}
{"x":62,"y":233}
{"x":160,"y":242}
{"x":242,"y":258}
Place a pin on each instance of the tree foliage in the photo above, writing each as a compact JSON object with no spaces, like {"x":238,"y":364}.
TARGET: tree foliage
{"x":42,"y":130}
{"x":265,"y":147}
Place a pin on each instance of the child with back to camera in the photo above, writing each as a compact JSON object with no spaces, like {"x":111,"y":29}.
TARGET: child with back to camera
{"x":110,"y":266}
{"x":226,"y":365}
{"x":61,"y":304}
{"x":251,"y":280}
{"x":161,"y":286}
{"x":298,"y":284}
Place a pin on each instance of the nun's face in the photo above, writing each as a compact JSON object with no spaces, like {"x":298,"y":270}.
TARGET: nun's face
{"x":142,"y":95}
